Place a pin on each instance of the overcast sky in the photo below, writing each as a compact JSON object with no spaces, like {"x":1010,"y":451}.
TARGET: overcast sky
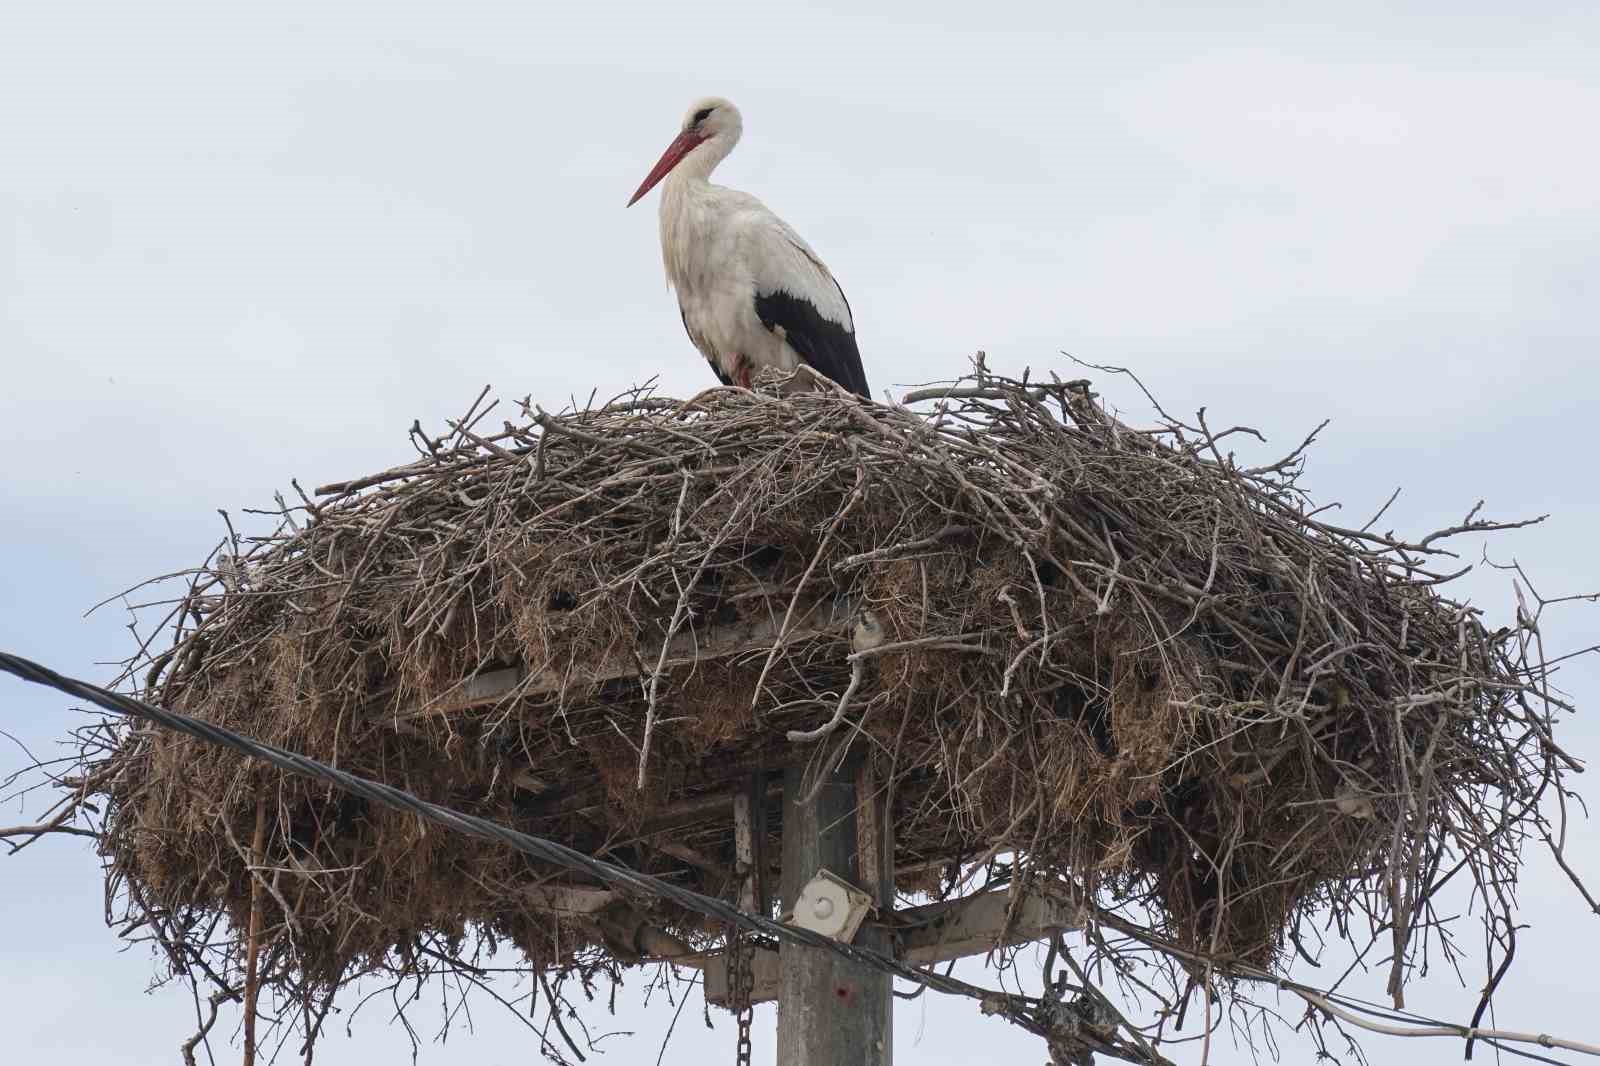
{"x":244,"y":243}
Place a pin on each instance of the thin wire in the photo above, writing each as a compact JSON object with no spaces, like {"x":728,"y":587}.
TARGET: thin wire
{"x":1348,"y":1008}
{"x":1015,"y":1006}
{"x":1019,"y":1009}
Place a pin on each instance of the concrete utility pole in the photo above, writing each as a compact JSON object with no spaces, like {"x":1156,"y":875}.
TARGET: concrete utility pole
{"x":832,"y":1012}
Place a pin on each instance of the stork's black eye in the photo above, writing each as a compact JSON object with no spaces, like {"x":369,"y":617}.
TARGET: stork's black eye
{"x":702,"y":114}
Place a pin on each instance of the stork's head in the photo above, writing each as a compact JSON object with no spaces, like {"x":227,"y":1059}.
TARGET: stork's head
{"x":710,"y":129}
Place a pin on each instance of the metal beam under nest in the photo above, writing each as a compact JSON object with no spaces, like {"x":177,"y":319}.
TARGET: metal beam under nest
{"x":814,"y":616}
{"x":933,"y":933}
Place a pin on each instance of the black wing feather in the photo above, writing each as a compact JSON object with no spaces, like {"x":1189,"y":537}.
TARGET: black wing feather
{"x":826,"y":346}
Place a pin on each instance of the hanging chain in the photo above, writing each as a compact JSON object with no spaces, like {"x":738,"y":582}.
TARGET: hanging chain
{"x":740,"y":981}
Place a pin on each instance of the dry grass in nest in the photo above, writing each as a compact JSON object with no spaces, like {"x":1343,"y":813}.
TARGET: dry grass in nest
{"x":1155,"y":677}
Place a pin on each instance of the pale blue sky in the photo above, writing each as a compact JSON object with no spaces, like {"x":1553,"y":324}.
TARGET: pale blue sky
{"x":240,"y":244}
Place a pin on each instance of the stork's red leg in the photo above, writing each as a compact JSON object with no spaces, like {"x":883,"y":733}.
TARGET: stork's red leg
{"x":743,"y":374}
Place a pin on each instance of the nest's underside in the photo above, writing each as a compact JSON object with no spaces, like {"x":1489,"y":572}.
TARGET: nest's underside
{"x":1147,"y":673}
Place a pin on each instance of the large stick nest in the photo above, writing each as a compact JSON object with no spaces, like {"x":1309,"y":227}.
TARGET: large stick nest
{"x":1143,"y":669}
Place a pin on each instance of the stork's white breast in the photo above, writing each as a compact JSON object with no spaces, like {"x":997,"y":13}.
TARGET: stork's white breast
{"x":723,"y":248}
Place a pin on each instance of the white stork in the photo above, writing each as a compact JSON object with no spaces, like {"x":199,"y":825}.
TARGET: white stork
{"x":751,"y":293}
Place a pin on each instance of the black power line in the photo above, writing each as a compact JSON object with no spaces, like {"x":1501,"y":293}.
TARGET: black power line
{"x":1018,"y":1008}
{"x":1024,"y":1011}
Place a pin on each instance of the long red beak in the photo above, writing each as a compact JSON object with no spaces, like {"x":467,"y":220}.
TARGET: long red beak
{"x":681,"y":145}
